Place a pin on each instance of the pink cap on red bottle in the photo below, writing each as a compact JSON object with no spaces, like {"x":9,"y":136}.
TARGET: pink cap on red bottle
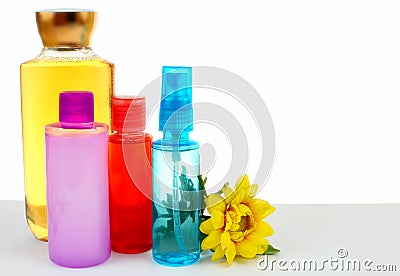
{"x":76,"y":107}
{"x":132,"y":121}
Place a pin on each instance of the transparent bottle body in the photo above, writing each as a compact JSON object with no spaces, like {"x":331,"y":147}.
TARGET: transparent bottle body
{"x":77,"y":195}
{"x":42,"y":79}
{"x":175,"y":203}
{"x":130,"y":192}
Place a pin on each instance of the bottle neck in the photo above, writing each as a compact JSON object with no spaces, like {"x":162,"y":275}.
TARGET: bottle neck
{"x":67,"y":48}
{"x":67,"y":52}
{"x":176,"y":136}
{"x":130,"y":133}
{"x":77,"y":125}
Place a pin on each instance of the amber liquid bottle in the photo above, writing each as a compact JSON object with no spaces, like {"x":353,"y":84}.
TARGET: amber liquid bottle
{"x":66,"y":62}
{"x":129,"y":165}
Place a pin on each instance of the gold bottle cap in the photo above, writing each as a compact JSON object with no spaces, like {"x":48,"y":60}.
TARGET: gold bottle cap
{"x":66,"y":27}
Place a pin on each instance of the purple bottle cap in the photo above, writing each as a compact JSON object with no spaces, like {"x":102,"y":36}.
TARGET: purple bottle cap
{"x":76,"y":107}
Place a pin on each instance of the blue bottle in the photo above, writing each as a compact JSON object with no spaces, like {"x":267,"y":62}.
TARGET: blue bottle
{"x":176,"y":160}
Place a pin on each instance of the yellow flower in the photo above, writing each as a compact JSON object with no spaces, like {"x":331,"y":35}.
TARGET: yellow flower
{"x":236,"y":226}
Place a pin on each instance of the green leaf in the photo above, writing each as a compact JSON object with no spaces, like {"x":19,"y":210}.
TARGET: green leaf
{"x":170,"y":225}
{"x":202,"y":187}
{"x":202,"y":182}
{"x":184,"y":216}
{"x":169,"y":200}
{"x":161,"y":230}
{"x":188,"y":200}
{"x":271,"y":250}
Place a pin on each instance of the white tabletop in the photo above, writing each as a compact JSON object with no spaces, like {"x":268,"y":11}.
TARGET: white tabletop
{"x":365,"y":232}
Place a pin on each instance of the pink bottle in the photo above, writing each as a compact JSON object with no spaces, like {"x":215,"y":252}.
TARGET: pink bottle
{"x":77,"y":184}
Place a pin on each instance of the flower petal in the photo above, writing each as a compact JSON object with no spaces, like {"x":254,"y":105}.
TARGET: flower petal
{"x":206,"y":226}
{"x":259,"y":241}
{"x":212,"y":240}
{"x":215,"y":202}
{"x":260,"y":208}
{"x":252,"y":193}
{"x":218,"y":219}
{"x":228,"y":221}
{"x":235,"y":213}
{"x":246,"y":249}
{"x":229,"y":193}
{"x":225,"y":240}
{"x":234,"y":227}
{"x":237,"y":236}
{"x":218,"y":254}
{"x":238,"y":198}
{"x":243,"y":184}
{"x":244,"y":209}
{"x":253,"y":190}
{"x":264,"y":229}
{"x":230,"y":252}
{"x":256,"y":239}
{"x":262,"y":248}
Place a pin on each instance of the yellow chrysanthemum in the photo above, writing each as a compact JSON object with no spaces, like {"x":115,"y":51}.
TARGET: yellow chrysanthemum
{"x":236,"y":226}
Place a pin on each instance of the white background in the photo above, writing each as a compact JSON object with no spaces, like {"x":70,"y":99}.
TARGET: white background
{"x":328,"y":72}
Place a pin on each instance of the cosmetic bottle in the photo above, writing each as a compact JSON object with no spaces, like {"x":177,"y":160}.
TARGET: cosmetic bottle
{"x":175,"y":171}
{"x":77,"y":184}
{"x":129,"y":155}
{"x":66,"y":62}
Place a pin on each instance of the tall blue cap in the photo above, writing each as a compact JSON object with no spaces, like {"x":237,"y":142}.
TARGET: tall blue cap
{"x":176,"y":112}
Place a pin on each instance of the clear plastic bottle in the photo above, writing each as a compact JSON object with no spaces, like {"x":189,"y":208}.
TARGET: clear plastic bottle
{"x":77,"y":184}
{"x":175,"y":171}
{"x":129,"y":155}
{"x":66,"y":62}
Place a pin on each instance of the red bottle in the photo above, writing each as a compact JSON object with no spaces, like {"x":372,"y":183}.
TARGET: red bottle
{"x":129,"y":158}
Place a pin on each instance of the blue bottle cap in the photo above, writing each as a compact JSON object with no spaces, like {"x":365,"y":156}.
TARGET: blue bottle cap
{"x":176,"y":112}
